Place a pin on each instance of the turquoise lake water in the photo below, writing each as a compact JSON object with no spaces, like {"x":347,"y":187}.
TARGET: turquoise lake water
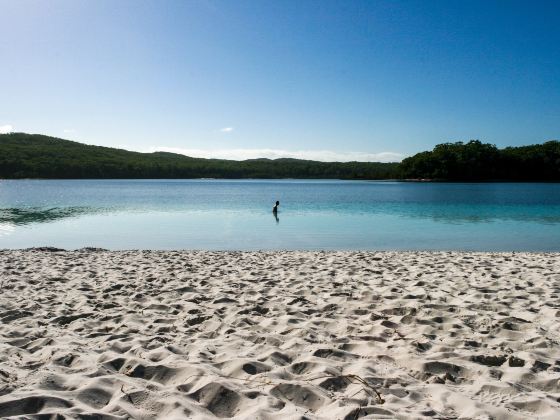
{"x":236,"y":215}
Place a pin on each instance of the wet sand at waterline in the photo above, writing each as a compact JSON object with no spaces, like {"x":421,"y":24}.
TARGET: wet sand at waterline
{"x":279,"y":335}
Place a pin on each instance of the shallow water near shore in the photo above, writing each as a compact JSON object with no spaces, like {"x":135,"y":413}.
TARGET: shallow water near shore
{"x":314,"y":214}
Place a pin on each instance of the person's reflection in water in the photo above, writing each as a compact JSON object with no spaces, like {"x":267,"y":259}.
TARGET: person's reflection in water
{"x":275,"y":211}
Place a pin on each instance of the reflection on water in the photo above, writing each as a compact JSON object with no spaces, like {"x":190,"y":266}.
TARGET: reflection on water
{"x":482,"y":214}
{"x":6,"y":229}
{"x":316,"y":214}
{"x":442,"y":213}
{"x":26,"y":216}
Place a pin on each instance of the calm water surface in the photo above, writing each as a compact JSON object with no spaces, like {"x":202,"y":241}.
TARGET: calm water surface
{"x":224,"y":214}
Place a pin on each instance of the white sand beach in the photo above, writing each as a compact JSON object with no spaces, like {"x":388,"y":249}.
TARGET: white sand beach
{"x":279,"y":335}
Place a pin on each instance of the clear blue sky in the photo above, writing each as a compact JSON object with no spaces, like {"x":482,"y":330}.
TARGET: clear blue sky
{"x":338,"y":76}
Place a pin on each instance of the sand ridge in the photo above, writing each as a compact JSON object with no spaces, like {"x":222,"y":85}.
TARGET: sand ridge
{"x":279,"y":335}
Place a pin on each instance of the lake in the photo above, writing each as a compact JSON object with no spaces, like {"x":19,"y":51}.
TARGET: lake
{"x":317,"y":214}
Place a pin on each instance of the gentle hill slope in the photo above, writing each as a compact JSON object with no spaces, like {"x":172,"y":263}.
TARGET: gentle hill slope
{"x":37,"y":156}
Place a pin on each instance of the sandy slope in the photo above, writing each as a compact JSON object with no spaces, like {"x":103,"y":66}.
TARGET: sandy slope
{"x":279,"y":335}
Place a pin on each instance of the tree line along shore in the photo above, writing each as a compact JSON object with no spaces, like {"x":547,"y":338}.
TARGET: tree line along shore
{"x":37,"y":156}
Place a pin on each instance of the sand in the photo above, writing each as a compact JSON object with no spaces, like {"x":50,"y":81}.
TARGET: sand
{"x":282,"y":335}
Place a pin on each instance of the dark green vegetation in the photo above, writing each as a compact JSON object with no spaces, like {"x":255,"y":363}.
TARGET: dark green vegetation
{"x":476,"y":161}
{"x":36,"y":156}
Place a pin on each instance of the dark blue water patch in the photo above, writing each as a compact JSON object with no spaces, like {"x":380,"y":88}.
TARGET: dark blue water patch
{"x":298,"y":194}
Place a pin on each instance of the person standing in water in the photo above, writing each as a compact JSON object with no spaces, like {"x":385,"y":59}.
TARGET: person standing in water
{"x":275,"y":211}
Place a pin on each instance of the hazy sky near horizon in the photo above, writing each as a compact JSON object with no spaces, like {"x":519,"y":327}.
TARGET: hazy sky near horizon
{"x":331,"y":80}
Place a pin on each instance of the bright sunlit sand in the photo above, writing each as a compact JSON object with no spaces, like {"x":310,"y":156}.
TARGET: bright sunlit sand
{"x":279,"y":210}
{"x":283,"y":335}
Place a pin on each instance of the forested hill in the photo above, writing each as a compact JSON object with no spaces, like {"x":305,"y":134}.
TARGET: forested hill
{"x":477,"y":161}
{"x":37,"y":156}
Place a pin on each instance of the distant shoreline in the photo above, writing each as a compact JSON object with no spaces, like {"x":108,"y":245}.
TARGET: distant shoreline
{"x":89,"y":249}
{"x":411,"y":180}
{"x":33,"y":156}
